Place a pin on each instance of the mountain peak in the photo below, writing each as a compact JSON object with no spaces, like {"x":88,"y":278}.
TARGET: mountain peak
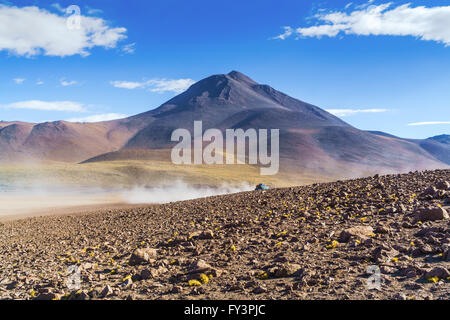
{"x":238,"y":76}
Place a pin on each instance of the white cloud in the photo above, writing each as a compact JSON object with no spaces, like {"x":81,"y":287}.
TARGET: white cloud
{"x":19,"y":80}
{"x":68,"y":106}
{"x":157,"y":85}
{"x":99,"y":117}
{"x":164,"y":85}
{"x":58,"y":7}
{"x":127,"y":84}
{"x":129,"y":48}
{"x":428,"y":123}
{"x":30,"y":31}
{"x":93,"y":11}
{"x":66,"y":83}
{"x":39,"y":82}
{"x":424,"y":23}
{"x":351,"y":112}
{"x":287,"y":32}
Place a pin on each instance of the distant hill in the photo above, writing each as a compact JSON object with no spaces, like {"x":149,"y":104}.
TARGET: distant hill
{"x":311,"y":139}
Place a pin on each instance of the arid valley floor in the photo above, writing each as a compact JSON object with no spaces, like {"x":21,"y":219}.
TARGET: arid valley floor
{"x":312,"y":242}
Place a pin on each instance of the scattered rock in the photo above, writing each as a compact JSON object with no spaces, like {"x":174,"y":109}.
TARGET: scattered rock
{"x":361,"y":232}
{"x":384,"y":254}
{"x":142,"y":255}
{"x":440,"y":272}
{"x":199,"y":266}
{"x":49,"y":296}
{"x":177,"y":289}
{"x":430,"y":191}
{"x":260,"y":289}
{"x":382,"y":229}
{"x":286,"y":270}
{"x":146,"y":274}
{"x":431,"y":214}
{"x":107,"y":291}
{"x":205,"y":235}
{"x":443,"y":185}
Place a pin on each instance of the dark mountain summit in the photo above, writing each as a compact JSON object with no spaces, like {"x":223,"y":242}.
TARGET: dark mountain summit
{"x":229,"y":101}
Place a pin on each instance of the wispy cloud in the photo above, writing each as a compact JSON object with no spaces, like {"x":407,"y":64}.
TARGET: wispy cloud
{"x":165,"y":85}
{"x":156,"y":85}
{"x":19,"y":80}
{"x":428,"y":123}
{"x":127,"y":84}
{"x":424,"y":23}
{"x":93,"y":11}
{"x":39,"y":82}
{"x":56,"y":36}
{"x":99,"y":117}
{"x":58,"y":7}
{"x":288,"y":31}
{"x":351,"y":112}
{"x":129,"y":48}
{"x":67,"y":106}
{"x":66,"y":83}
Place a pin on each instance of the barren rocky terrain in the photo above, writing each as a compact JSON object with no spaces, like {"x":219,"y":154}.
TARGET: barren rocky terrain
{"x":323,"y":241}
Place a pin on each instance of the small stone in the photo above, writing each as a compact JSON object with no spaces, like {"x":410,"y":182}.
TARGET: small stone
{"x":443,"y":185}
{"x":106,"y":291}
{"x":177,"y":289}
{"x":142,"y":255}
{"x":362,"y":232}
{"x":259,"y":290}
{"x":382,"y":229}
{"x":446,"y":255}
{"x":49,"y":296}
{"x":430,"y":191}
{"x":426,"y":249}
{"x":286,"y":270}
{"x":384,"y":254}
{"x":127,"y":283}
{"x":199,"y":266}
{"x":400,"y":296}
{"x":146,"y":274}
{"x":431,"y":214}
{"x":205,"y":235}
{"x":440,"y":272}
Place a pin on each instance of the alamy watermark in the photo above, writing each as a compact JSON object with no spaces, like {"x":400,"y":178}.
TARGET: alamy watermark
{"x":73,"y":281}
{"x":73,"y":13}
{"x":374,"y":280}
{"x":256,"y":141}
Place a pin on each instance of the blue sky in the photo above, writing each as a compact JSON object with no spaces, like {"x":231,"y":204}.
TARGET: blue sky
{"x":379,"y":67}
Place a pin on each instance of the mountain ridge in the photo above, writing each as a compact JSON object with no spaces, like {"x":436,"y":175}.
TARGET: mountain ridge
{"x":311,"y":138}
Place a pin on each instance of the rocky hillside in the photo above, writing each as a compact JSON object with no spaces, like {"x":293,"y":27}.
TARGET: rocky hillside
{"x":324,"y":241}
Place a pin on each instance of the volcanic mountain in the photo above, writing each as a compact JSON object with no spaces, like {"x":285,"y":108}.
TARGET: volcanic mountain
{"x":311,"y":139}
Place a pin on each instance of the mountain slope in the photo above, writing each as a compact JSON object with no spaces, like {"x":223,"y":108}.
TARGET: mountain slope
{"x":64,"y":141}
{"x":312,"y":140}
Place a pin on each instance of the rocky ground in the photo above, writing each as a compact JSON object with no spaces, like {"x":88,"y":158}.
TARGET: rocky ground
{"x":324,"y":241}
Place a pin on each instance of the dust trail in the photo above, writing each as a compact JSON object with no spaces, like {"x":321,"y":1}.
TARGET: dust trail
{"x":34,"y":199}
{"x":178,"y":191}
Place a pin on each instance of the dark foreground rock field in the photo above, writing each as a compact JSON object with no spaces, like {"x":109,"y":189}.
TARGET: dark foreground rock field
{"x":383,"y":237}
